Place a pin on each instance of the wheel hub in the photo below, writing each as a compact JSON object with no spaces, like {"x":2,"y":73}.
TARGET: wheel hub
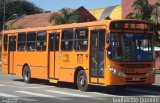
{"x":82,"y":80}
{"x":26,"y":75}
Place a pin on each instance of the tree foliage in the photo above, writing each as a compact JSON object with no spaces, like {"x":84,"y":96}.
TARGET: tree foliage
{"x":19,"y":7}
{"x":144,"y":11}
{"x":65,"y":16}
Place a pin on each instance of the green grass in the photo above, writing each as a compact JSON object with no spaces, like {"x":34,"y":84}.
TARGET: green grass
{"x":157,"y":71}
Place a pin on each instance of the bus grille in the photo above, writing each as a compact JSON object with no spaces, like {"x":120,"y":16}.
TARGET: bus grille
{"x":135,"y":73}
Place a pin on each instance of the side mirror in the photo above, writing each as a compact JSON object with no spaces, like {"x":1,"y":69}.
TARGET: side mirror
{"x":107,"y":38}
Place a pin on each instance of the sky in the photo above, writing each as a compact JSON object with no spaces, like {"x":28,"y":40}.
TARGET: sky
{"x":55,"y":5}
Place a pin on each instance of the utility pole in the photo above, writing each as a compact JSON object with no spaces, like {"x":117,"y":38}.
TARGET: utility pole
{"x":4,"y":14}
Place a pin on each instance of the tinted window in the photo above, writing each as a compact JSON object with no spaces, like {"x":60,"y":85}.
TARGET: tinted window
{"x":21,"y":41}
{"x":31,"y":41}
{"x":41,"y":41}
{"x":67,"y":40}
{"x":5,"y":42}
{"x":12,"y":43}
{"x":81,"y":39}
{"x":54,"y":42}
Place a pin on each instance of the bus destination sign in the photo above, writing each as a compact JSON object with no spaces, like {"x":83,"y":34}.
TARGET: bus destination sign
{"x":135,"y":26}
{"x":141,"y":26}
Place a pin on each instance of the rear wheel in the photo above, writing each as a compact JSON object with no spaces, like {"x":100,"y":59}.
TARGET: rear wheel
{"x":82,"y":82}
{"x":27,"y":74}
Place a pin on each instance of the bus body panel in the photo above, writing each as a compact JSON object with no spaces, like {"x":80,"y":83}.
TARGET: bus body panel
{"x":38,"y":65}
{"x":5,"y":62}
{"x":69,"y":62}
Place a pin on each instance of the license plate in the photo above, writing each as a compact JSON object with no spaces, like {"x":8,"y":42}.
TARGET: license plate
{"x":129,"y":70}
{"x":136,"y":79}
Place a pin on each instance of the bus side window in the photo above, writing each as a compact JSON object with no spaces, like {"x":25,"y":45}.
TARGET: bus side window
{"x":67,"y":40}
{"x":5,"y":42}
{"x":54,"y":42}
{"x":81,"y":39}
{"x":21,"y":41}
{"x":31,"y":41}
{"x":41,"y":41}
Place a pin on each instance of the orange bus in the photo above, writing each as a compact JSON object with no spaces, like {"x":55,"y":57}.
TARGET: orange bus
{"x":104,"y":53}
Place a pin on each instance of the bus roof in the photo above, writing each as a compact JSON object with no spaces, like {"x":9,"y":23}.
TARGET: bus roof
{"x":73,"y":25}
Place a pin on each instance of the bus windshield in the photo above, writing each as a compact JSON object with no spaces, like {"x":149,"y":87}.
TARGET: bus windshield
{"x":131,"y":47}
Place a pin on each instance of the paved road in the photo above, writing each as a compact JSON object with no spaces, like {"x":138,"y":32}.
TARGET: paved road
{"x":12,"y":88}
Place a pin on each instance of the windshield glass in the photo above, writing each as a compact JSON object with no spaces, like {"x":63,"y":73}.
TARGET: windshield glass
{"x":130,"y":47}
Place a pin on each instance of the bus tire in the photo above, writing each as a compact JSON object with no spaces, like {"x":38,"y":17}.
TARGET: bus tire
{"x":82,"y":82}
{"x":27,"y":74}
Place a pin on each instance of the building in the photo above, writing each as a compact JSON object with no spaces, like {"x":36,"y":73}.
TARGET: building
{"x":112,"y":12}
{"x":127,"y":6}
{"x":29,"y":21}
{"x":41,"y":20}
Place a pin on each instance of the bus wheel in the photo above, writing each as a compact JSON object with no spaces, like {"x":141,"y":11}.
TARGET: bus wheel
{"x":26,"y":74}
{"x":82,"y":81}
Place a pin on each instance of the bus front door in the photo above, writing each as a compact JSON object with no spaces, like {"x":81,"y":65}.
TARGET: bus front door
{"x":54,"y":55}
{"x":12,"y":49}
{"x":97,"y":45}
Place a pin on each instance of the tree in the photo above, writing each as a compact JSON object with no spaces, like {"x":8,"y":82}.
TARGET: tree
{"x":145,"y":11}
{"x":2,"y":1}
{"x":19,"y":7}
{"x":65,"y":16}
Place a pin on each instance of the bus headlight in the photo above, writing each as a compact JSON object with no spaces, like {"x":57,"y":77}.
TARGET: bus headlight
{"x":150,"y":73}
{"x":116,"y":72}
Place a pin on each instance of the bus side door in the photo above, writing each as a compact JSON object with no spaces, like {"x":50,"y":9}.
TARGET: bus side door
{"x":54,"y":55}
{"x":12,"y":49}
{"x":97,"y":44}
